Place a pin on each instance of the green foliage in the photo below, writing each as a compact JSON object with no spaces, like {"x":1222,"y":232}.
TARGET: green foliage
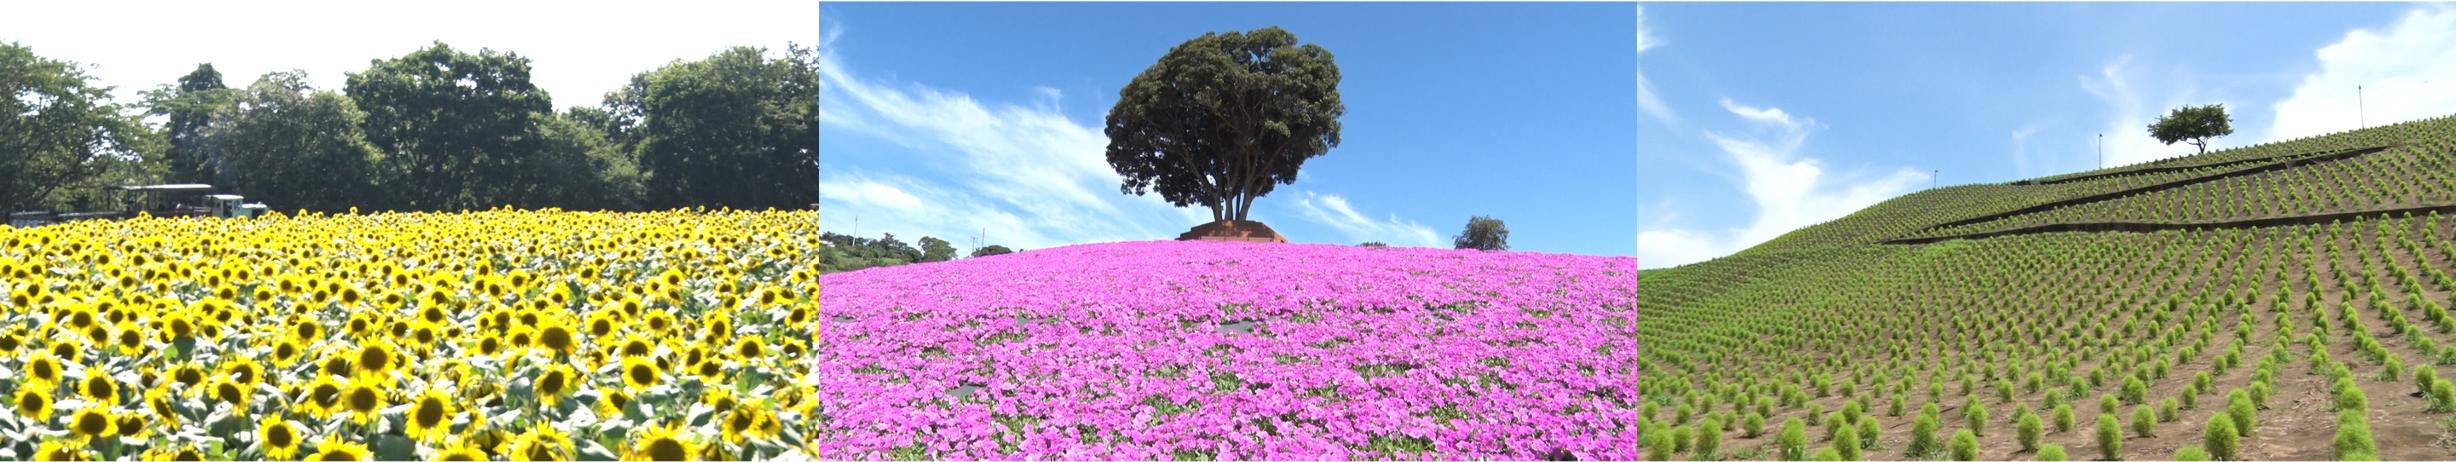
{"x":1793,"y":441}
{"x":2027,"y":432}
{"x":1964,"y":445}
{"x":1488,"y":233}
{"x":1834,"y":424}
{"x":1826,"y":454}
{"x":282,"y":142}
{"x":1847,"y":442}
{"x":2144,"y":422}
{"x":2353,"y":440}
{"x":2051,"y":453}
{"x":992,"y":249}
{"x":189,"y":108}
{"x":1753,"y":426}
{"x":1923,"y":436}
{"x":2134,"y":390}
{"x":1869,"y":432}
{"x":58,"y":130}
{"x":1373,"y":244}
{"x":2442,"y":396}
{"x":456,"y":127}
{"x":736,"y":129}
{"x":1709,"y":437}
{"x":1681,"y":436}
{"x":2063,"y":418}
{"x":1977,"y":417}
{"x":2350,"y":397}
{"x":2110,"y":437}
{"x":2168,"y":410}
{"x":2239,"y":408}
{"x":1660,"y":445}
{"x":2220,"y":437}
{"x":934,"y":249}
{"x":1171,"y":116}
{"x":2191,"y":454}
{"x":2107,"y":403}
{"x":2194,"y":125}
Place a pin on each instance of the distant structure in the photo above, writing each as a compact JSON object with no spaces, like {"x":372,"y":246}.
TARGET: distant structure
{"x":1233,"y":231}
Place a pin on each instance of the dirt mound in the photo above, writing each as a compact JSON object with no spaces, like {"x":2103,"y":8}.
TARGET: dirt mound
{"x":1233,"y":231}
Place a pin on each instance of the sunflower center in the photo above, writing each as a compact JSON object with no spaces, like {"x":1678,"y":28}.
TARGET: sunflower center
{"x":326,"y":394}
{"x":556,"y":338}
{"x":551,"y":384}
{"x":364,"y":400}
{"x":336,"y":456}
{"x":642,"y":373}
{"x":229,"y":393}
{"x":99,"y":386}
{"x":430,"y":413}
{"x":93,"y":423}
{"x":280,"y":436}
{"x":667,"y":449}
{"x":375,"y":358}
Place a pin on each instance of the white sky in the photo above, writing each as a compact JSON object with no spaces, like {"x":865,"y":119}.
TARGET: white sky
{"x":577,"y":51}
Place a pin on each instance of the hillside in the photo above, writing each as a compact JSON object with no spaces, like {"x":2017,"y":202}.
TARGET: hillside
{"x":2309,"y":276}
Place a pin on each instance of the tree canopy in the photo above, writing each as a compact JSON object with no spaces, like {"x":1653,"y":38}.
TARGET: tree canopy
{"x":58,"y":130}
{"x":737,"y":129}
{"x":1484,"y":233}
{"x":284,"y":142}
{"x":189,"y":106}
{"x":455,"y":124}
{"x":2193,"y":124}
{"x":1224,"y":118}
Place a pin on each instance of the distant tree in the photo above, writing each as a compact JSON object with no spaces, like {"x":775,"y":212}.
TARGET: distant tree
{"x":457,"y":126}
{"x":1484,"y":233}
{"x":189,"y":105}
{"x":1373,"y":244}
{"x":1223,"y":118}
{"x":992,"y":249}
{"x":284,"y":143}
{"x":2194,"y":125}
{"x":935,"y":249}
{"x":738,"y":129}
{"x":58,"y":130}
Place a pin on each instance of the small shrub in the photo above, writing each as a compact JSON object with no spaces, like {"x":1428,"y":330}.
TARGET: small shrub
{"x":2442,"y":396}
{"x":2027,"y":431}
{"x":1680,"y":438}
{"x":1978,"y":419}
{"x":1753,"y":426}
{"x":2134,"y":390}
{"x":2168,"y":410}
{"x":2191,"y":454}
{"x":1869,"y":430}
{"x":2354,"y":436}
{"x":1923,"y":437}
{"x":2051,"y":453}
{"x":1660,"y":447}
{"x":2107,"y":403}
{"x":1709,"y":438}
{"x":2063,"y":418}
{"x":2220,"y":437}
{"x":1895,"y":410}
{"x":2144,"y":422}
{"x":2423,"y":377}
{"x":2351,"y":398}
{"x":1847,"y":442}
{"x":1851,"y":412}
{"x":1793,"y":440}
{"x":1826,"y":454}
{"x":1834,"y":424}
{"x":2259,"y":394}
{"x":2110,"y":437}
{"x":2239,"y":408}
{"x":1965,"y":445}
{"x":1815,"y":409}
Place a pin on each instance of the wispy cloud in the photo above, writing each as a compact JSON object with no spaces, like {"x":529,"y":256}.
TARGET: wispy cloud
{"x":1646,"y":97}
{"x":1789,"y":190}
{"x":2405,"y":73}
{"x":2127,"y":133}
{"x":1332,"y":210}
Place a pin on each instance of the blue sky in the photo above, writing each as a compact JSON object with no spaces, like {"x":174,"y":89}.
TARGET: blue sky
{"x":945,"y":118}
{"x":1673,"y":132}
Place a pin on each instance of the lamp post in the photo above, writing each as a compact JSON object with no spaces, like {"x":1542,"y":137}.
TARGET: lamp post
{"x":2361,"y":115}
{"x":2102,"y":151}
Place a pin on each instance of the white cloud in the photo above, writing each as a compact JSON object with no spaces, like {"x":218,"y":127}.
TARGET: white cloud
{"x":1790,"y":191}
{"x":1027,"y":173}
{"x":1330,"y":209}
{"x":2127,"y":135}
{"x":2407,"y":72}
{"x":1646,"y":97}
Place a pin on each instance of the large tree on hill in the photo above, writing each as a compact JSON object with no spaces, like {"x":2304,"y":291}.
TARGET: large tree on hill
{"x":190,"y":106}
{"x":738,"y":129}
{"x":1484,"y":233}
{"x":2193,"y":124}
{"x":1223,"y":118}
{"x":282,"y":142}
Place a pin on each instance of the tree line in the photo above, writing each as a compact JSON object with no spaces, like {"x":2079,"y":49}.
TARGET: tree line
{"x":438,"y":129}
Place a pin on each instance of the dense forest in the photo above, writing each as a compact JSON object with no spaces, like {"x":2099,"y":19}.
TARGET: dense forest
{"x":436,"y":129}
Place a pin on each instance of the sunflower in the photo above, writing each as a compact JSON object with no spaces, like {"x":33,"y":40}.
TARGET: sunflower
{"x":521,"y":336}
{"x":130,"y":338}
{"x":92,"y":422}
{"x":191,"y":375}
{"x":660,"y":443}
{"x":158,"y":399}
{"x":228,"y":390}
{"x":458,"y":449}
{"x":99,"y":387}
{"x":553,"y":335}
{"x":719,"y":398}
{"x":743,"y":421}
{"x":34,"y":403}
{"x":43,"y":370}
{"x":612,"y":402}
{"x":540,"y":443}
{"x":363,"y":399}
{"x":639,"y":374}
{"x":634,"y":346}
{"x":132,"y":425}
{"x":53,"y":450}
{"x":169,"y":453}
{"x":711,"y":369}
{"x":557,"y":381}
{"x":243,"y":369}
{"x":287,"y":352}
{"x":322,"y":397}
{"x":374,"y":356}
{"x":335,"y":448}
{"x":430,"y":415}
{"x":279,"y":439}
{"x":306,"y":329}
{"x":749,"y":348}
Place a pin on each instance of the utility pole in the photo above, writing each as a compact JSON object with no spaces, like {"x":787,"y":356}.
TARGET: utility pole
{"x":2361,"y":115}
{"x":2102,"y":151}
{"x":1935,"y":180}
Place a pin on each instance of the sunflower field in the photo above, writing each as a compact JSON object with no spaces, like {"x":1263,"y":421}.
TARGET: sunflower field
{"x":493,"y":335}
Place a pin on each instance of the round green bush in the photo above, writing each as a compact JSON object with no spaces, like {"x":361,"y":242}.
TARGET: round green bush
{"x":1709,"y":437}
{"x":2191,"y":454}
{"x":1834,"y":423}
{"x":1815,"y":409}
{"x":2354,"y":435}
{"x":2027,"y":431}
{"x":1680,"y":438}
{"x":2168,"y":410}
{"x":2423,"y":377}
{"x":2442,"y":396}
{"x":1895,"y":409}
{"x":2063,"y":418}
{"x":1978,"y":419}
{"x":2219,"y":438}
{"x":2110,"y":437}
{"x":1869,"y":430}
{"x":2351,"y":398}
{"x":1847,"y":442}
{"x":2051,"y":453}
{"x":2239,"y":408}
{"x":1965,"y":445}
{"x":1793,"y":441}
{"x":2144,"y":422}
{"x":1659,"y":446}
{"x":1753,"y":426}
{"x":1923,"y":437}
{"x":1826,"y":454}
{"x":2134,"y":390}
{"x":2107,"y":403}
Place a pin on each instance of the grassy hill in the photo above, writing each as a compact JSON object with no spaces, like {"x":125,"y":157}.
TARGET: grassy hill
{"x":2310,"y":277}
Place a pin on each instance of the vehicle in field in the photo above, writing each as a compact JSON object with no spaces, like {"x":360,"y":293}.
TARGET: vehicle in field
{"x":156,"y":200}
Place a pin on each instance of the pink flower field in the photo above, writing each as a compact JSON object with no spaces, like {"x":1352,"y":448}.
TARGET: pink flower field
{"x":1179,"y":349}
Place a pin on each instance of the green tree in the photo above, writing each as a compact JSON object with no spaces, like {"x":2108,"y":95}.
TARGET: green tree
{"x":935,"y":249}
{"x":738,"y":129}
{"x":456,"y":126}
{"x":1484,"y":233}
{"x":284,"y":143}
{"x":988,"y":250}
{"x":2194,"y":125}
{"x":1224,"y":118}
{"x":189,"y":105}
{"x":58,"y":130}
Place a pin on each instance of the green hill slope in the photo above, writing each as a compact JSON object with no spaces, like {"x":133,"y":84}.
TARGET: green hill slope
{"x":2311,"y":276}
